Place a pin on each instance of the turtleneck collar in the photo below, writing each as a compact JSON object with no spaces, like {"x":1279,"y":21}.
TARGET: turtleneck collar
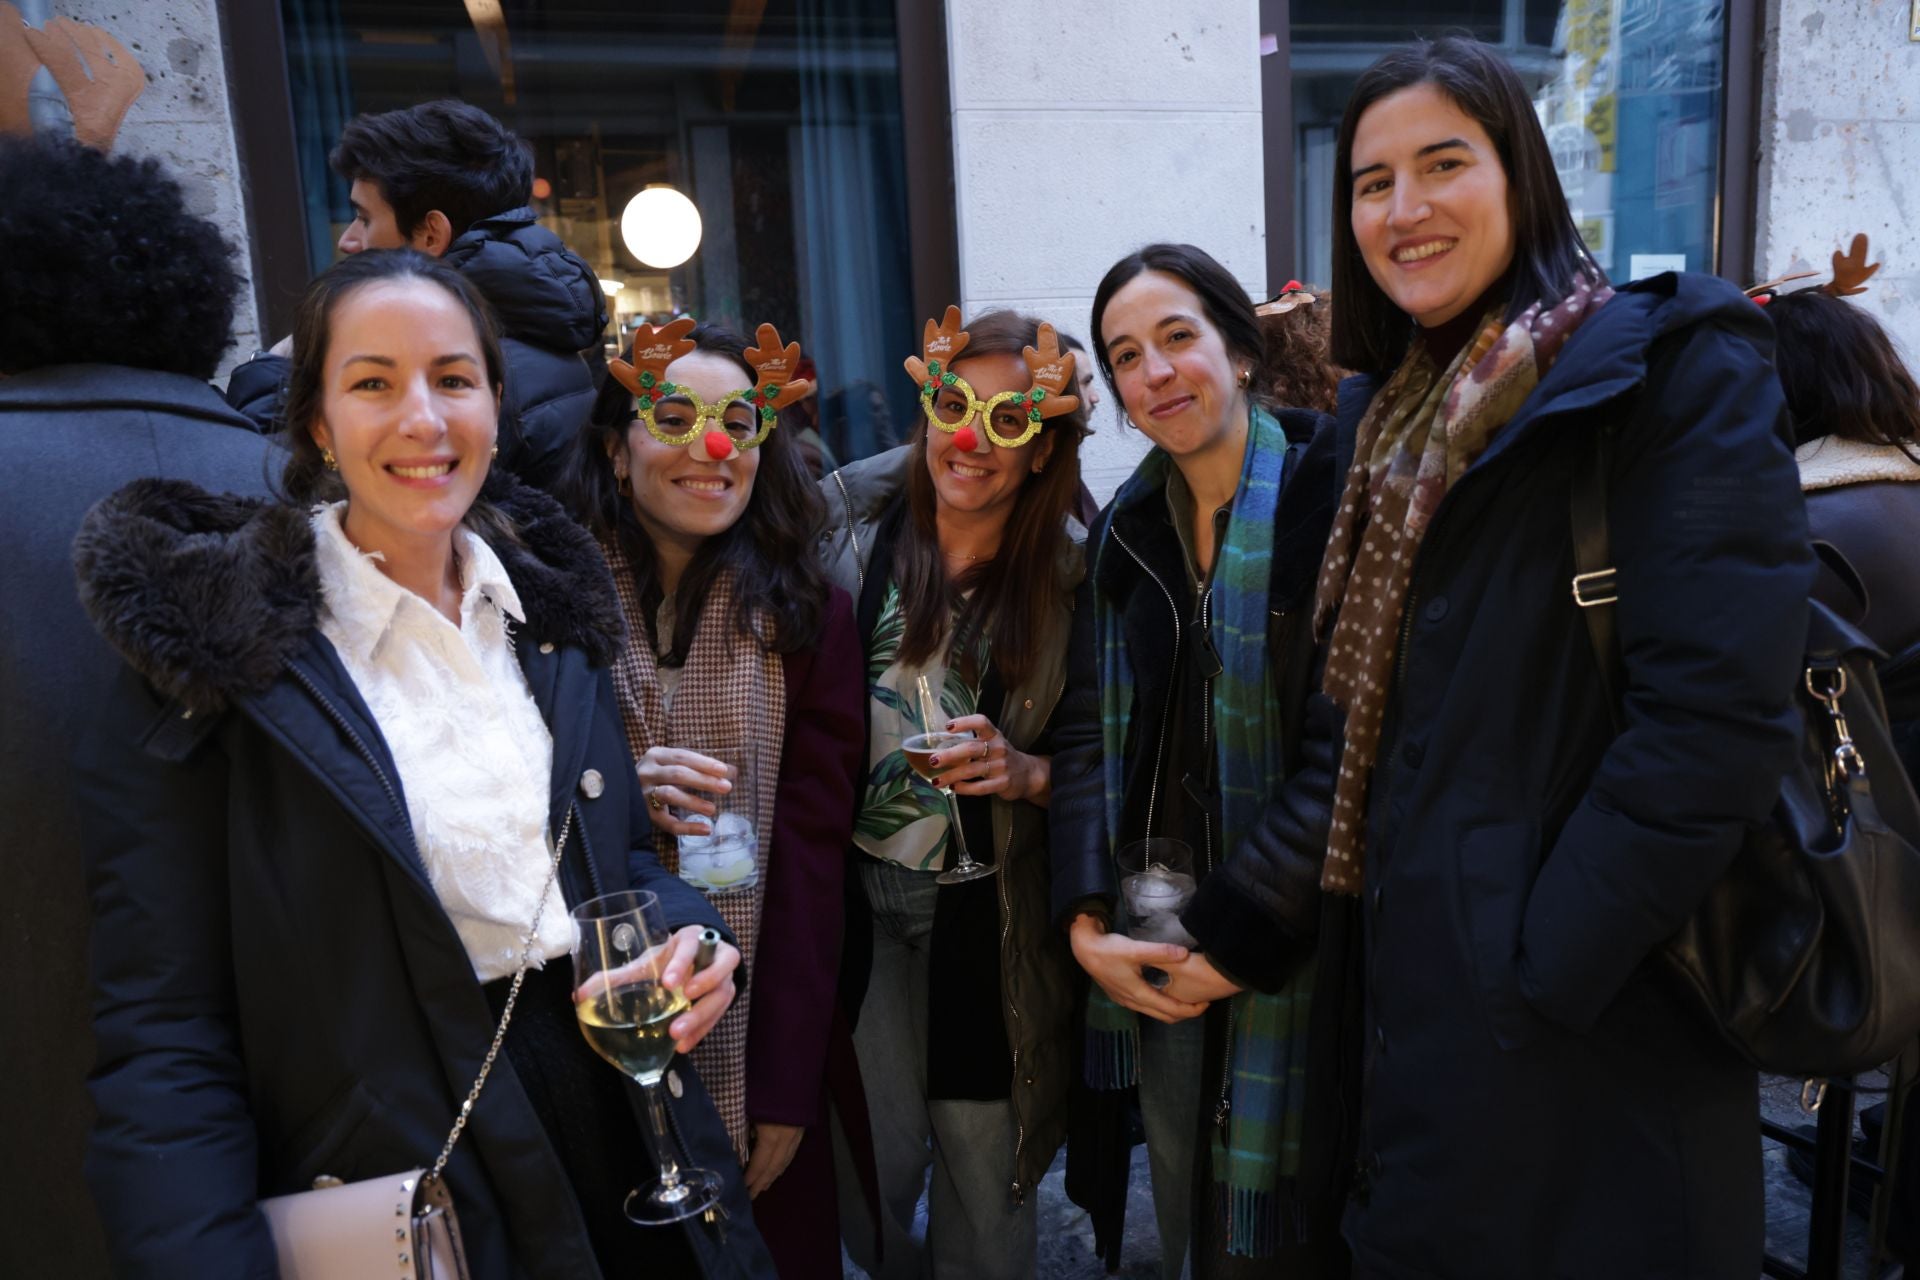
{"x":1445,"y":340}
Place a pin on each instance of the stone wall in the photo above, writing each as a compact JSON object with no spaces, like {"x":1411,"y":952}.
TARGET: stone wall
{"x":185,"y":118}
{"x":1080,"y":133}
{"x":1840,"y":148}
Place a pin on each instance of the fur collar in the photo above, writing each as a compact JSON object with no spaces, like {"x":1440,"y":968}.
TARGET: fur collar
{"x":1833,"y":461}
{"x":209,"y":595}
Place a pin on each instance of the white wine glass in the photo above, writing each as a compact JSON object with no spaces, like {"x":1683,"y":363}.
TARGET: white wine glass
{"x":620,"y":951}
{"x":920,"y":750}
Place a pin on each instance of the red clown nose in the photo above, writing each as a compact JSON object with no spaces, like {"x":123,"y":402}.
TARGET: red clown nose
{"x":719,"y":445}
{"x":965,"y":440}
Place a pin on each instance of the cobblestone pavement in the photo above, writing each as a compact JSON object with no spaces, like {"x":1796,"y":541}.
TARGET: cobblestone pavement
{"x":1066,"y":1235}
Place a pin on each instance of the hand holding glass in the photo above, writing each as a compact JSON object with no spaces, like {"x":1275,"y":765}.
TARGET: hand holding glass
{"x":620,"y":952}
{"x":920,"y":750}
{"x":1156,"y":884}
{"x":725,"y":856}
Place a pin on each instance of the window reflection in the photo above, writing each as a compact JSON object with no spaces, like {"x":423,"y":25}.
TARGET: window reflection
{"x":1628,"y":91}
{"x":779,"y":120}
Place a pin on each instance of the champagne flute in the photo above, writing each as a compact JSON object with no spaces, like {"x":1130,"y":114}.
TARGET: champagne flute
{"x":620,"y":950}
{"x":920,"y":750}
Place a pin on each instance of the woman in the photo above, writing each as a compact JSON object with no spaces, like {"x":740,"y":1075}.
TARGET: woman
{"x":376,"y":702}
{"x":958,"y":550}
{"x":738,"y":649}
{"x":1185,"y":712}
{"x":1856,"y":431}
{"x":1521,"y":861}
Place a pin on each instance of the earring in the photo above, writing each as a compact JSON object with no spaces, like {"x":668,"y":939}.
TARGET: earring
{"x":623,"y":484}
{"x":1039,"y":467}
{"x":1245,"y":379}
{"x":332,"y":463}
{"x":495,"y":453}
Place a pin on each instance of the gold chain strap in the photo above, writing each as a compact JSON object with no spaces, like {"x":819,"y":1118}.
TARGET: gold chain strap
{"x":506,"y":1014}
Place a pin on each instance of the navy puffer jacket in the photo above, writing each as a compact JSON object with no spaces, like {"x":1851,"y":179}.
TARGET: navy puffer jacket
{"x":552,"y":312}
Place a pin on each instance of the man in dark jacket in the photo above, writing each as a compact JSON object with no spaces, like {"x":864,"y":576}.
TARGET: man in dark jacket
{"x":451,"y":181}
{"x":119,"y":304}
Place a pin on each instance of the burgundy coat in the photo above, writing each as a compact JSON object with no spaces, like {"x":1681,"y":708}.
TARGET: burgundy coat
{"x":796,"y":967}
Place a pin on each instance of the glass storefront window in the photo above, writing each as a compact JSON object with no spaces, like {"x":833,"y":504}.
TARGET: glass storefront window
{"x":1630,"y":94}
{"x":780,"y":120}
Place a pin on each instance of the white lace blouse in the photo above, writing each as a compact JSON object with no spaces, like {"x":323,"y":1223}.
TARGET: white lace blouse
{"x":474,"y":755}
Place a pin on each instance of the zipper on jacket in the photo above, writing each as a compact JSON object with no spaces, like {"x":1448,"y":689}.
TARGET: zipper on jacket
{"x":1013,"y":1011}
{"x":1224,"y":1104}
{"x":360,"y":745}
{"x":1013,"y":1040}
{"x":1160,"y":752}
{"x":853,"y":535}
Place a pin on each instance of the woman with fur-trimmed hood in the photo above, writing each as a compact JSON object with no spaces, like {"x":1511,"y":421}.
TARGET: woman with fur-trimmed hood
{"x":318,"y":810}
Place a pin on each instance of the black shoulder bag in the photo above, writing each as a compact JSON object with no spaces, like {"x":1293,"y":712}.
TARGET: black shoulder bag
{"x":1806,"y":954}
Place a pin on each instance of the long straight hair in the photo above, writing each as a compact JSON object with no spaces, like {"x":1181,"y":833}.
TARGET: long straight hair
{"x":1370,"y":333}
{"x":777,"y":577}
{"x":1011,"y":593}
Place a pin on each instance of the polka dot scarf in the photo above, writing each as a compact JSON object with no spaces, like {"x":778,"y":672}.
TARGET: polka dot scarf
{"x":1423,"y":430}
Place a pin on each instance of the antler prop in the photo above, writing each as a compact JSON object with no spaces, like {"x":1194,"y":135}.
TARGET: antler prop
{"x":1052,"y":371}
{"x":775,"y":387}
{"x":653,"y":350}
{"x":940,"y":346}
{"x":1850,"y":271}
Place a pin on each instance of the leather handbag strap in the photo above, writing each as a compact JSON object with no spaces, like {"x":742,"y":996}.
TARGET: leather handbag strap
{"x":1595,"y":584}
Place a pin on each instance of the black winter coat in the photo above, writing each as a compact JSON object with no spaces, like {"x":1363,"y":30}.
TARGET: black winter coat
{"x":1537,"y":1100}
{"x":279,"y":993}
{"x":69,"y":436}
{"x":1258,"y":912}
{"x":552,"y":313}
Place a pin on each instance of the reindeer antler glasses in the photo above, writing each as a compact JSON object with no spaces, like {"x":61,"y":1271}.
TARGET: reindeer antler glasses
{"x":1010,"y":418}
{"x":723,"y":428}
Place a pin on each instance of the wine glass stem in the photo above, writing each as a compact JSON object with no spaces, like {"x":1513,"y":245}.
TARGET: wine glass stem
{"x":959,"y":833}
{"x":663,"y":1143}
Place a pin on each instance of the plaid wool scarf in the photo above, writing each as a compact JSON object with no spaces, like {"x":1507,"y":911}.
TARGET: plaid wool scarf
{"x":732,"y":694}
{"x":1259,"y":1147}
{"x":1422,"y":431}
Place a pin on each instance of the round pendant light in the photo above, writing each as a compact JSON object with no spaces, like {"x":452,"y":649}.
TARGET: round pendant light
{"x":660,"y":226}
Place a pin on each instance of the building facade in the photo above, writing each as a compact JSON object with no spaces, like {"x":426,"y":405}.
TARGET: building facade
{"x":858,"y":164}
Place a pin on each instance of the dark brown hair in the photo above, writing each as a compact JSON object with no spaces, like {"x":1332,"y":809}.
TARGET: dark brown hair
{"x":777,"y":575}
{"x":447,"y":155}
{"x":1370,"y":333}
{"x":1299,"y":372}
{"x":306,"y":479}
{"x":1226,"y":304}
{"x":1012,"y":592}
{"x":1841,"y":374}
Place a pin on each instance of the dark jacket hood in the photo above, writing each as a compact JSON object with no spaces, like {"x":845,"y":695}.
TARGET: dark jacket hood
{"x":542,"y":291}
{"x":209,"y":595}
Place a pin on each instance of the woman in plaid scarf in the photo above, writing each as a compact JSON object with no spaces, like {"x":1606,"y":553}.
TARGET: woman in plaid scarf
{"x":739,"y":650}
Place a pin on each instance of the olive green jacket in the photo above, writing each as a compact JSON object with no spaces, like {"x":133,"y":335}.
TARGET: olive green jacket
{"x":1037,"y":972}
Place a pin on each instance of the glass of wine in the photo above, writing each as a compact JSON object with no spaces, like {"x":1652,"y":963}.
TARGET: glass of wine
{"x":920,"y":750}
{"x":621,"y":947}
